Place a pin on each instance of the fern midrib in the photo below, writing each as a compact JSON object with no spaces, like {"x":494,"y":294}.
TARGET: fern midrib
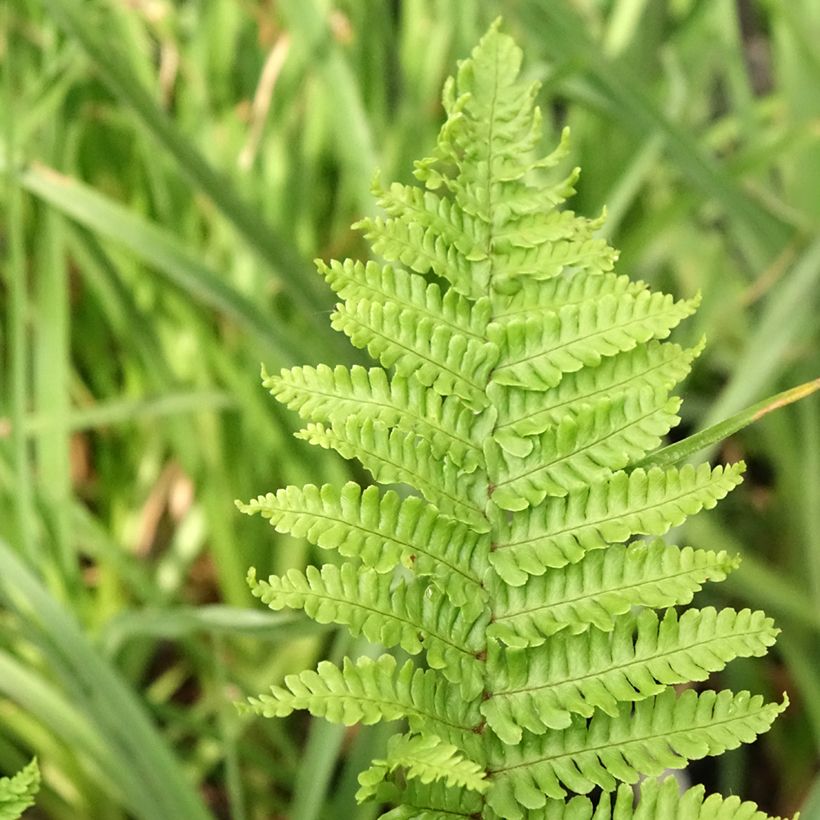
{"x":553,"y":534}
{"x":576,"y":452}
{"x":600,"y":593}
{"x":491,"y":256}
{"x":635,"y":661}
{"x":578,"y":340}
{"x":584,"y":397}
{"x":631,"y":741}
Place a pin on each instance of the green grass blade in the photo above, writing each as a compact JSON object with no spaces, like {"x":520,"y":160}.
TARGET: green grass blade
{"x":162,"y":791}
{"x":131,"y":411}
{"x":115,"y":69}
{"x":688,"y":447}
{"x":16,"y":311}
{"x":308,"y":20}
{"x":51,"y":343}
{"x":157,"y":248}
{"x":790,"y":312}
{"x":563,"y":34}
{"x":176,"y":623}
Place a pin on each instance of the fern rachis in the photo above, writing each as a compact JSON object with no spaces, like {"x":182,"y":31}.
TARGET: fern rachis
{"x":520,"y":383}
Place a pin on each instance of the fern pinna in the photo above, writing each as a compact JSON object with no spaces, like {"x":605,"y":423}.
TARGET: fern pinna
{"x":521,"y":382}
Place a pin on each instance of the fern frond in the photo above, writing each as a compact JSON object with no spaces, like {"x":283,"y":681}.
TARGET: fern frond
{"x":17,"y":792}
{"x":643,"y":502}
{"x":428,"y":232}
{"x":396,"y":457}
{"x":425,"y":758}
{"x":605,"y":584}
{"x":658,"y":800}
{"x":386,"y":285}
{"x":521,"y":199}
{"x":577,"y":674}
{"x":521,"y":385}
{"x":531,"y":230}
{"x":553,"y":258}
{"x":384,"y":531}
{"x":533,"y":299}
{"x":412,"y":615}
{"x":536,"y":353}
{"x":521,"y":413}
{"x":331,"y":394}
{"x":660,"y":733}
{"x":599,"y":440}
{"x":433,"y":801}
{"x":367,"y":691}
{"x":437,"y":356}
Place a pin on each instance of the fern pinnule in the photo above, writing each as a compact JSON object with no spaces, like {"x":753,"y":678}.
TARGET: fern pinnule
{"x":659,"y":733}
{"x":604,"y":585}
{"x":639,"y":502}
{"x":520,"y":382}
{"x":331,"y":394}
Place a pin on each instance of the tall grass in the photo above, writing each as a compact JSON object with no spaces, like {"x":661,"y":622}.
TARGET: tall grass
{"x":169,"y":169}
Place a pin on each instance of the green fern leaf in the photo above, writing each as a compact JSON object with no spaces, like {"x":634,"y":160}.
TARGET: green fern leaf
{"x":536,"y":353}
{"x":325,"y":394}
{"x":386,"y":285}
{"x":414,"y":615}
{"x":578,"y":674}
{"x":521,"y":385}
{"x":428,"y":232}
{"x":522,"y":413}
{"x":426,"y":758}
{"x":17,"y":793}
{"x":562,"y":530}
{"x":660,"y":733}
{"x":384,"y":531}
{"x":534,"y":299}
{"x":449,"y":362}
{"x":367,"y":691}
{"x":433,"y":801}
{"x":658,"y":799}
{"x":601,"y":439}
{"x":551,"y":259}
{"x":605,"y":584}
{"x":396,"y":457}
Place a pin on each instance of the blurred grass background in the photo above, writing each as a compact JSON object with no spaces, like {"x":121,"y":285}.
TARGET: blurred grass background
{"x":169,"y":168}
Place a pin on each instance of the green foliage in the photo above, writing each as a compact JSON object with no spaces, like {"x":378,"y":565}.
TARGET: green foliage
{"x":17,"y":793}
{"x":527,"y":383}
